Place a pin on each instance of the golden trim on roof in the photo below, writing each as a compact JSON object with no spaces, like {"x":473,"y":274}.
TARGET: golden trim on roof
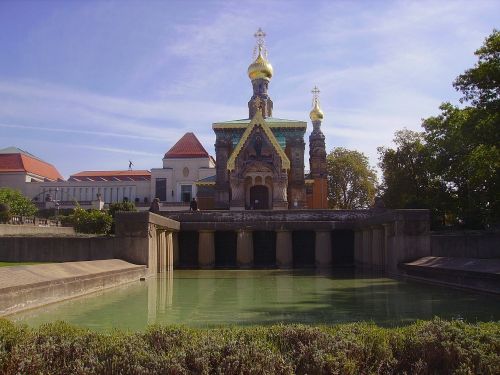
{"x":256,"y":121}
{"x":204,"y":183}
{"x":289,"y":125}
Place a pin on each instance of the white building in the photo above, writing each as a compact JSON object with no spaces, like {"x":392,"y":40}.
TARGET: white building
{"x":174,"y":184}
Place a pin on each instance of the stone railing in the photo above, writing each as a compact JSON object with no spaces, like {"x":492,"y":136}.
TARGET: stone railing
{"x":32,"y":220}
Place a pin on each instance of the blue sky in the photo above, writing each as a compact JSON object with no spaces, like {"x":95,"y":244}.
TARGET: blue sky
{"x":89,"y":85}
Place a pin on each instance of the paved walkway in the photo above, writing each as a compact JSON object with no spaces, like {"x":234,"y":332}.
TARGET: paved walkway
{"x":480,"y":266}
{"x":24,"y":287}
{"x":30,"y":275}
{"x":469,"y":273}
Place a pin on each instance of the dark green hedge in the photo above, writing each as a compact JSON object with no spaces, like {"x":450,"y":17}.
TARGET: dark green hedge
{"x":427,"y":347}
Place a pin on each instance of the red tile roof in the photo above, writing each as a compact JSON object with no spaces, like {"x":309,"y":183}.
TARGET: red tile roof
{"x":125,"y":175}
{"x":187,"y":147}
{"x":23,"y":162}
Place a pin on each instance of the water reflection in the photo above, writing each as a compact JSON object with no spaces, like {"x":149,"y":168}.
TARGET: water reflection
{"x":221,"y":297}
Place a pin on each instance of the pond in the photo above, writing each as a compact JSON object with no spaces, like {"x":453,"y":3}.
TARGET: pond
{"x":205,"y":298}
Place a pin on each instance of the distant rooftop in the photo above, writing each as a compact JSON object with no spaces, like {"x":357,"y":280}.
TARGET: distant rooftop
{"x":123,"y":175}
{"x":187,"y":147}
{"x":13,"y":159}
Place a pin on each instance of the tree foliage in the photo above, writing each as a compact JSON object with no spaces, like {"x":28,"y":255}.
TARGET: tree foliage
{"x":408,"y":178}
{"x":17,"y":202}
{"x":453,"y":166}
{"x":480,"y":85}
{"x":351,"y":180}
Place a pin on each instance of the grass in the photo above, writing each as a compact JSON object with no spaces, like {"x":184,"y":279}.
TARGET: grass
{"x":10,"y":264}
{"x":425,"y":347}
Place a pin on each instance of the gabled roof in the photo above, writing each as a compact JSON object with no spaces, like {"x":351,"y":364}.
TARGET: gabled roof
{"x":13,"y":159}
{"x":258,"y":120}
{"x":187,"y":147}
{"x":124,"y":175}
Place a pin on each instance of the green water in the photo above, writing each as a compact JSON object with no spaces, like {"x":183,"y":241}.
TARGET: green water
{"x":221,"y":297}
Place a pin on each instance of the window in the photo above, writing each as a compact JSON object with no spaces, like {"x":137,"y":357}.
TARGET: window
{"x":186,"y":193}
{"x":161,"y":189}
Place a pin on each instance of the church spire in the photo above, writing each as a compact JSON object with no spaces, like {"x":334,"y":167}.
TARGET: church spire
{"x":316,"y":113}
{"x":317,"y":147}
{"x":260,"y":73}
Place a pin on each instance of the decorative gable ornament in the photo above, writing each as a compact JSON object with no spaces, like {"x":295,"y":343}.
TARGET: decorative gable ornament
{"x":258,"y":121}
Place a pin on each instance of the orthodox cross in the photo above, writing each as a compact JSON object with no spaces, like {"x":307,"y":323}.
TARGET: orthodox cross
{"x":260,"y":46}
{"x":315,"y":91}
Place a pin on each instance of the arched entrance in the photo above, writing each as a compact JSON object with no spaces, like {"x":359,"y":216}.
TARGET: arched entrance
{"x":259,"y":197}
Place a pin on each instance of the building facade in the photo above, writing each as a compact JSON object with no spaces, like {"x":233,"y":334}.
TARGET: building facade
{"x":260,"y":159}
{"x":259,"y":164}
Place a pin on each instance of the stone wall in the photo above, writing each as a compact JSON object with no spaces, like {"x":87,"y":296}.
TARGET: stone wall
{"x":467,"y":244}
{"x":141,"y":238}
{"x":56,"y":249}
{"x":393,"y":237}
{"x":13,"y":230}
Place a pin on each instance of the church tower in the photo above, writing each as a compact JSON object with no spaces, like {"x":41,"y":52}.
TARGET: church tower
{"x":317,"y":155}
{"x":260,"y":73}
{"x":260,"y":159}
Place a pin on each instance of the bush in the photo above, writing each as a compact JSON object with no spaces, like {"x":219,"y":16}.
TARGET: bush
{"x":92,"y":221}
{"x":50,"y":213}
{"x":426,"y":347}
{"x":4,"y":213}
{"x":123,"y":206}
{"x":18,"y":203}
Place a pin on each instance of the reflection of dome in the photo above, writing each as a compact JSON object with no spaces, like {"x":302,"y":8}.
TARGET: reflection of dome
{"x":316,"y":113}
{"x":260,"y":68}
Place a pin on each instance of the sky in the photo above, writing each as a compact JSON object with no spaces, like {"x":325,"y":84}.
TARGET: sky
{"x":90,"y":85}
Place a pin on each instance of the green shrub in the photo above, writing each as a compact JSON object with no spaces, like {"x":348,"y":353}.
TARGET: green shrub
{"x":18,"y":203}
{"x":430,"y":347}
{"x":50,"y":213}
{"x":5,"y":214}
{"x":123,"y":206}
{"x":92,"y":221}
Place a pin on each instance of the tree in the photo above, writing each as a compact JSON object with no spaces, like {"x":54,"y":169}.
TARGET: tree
{"x":351,"y":180}
{"x":408,"y":174}
{"x":17,"y":202}
{"x":481,"y":84}
{"x":464,"y":146}
{"x":453,"y":167}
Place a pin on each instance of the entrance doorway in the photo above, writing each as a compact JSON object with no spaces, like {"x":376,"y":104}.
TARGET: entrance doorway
{"x":259,"y":197}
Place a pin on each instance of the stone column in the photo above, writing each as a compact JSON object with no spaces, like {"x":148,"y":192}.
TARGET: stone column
{"x":152,"y":258}
{"x":323,"y":249}
{"x":377,"y":247}
{"x":358,"y":246}
{"x":284,"y":251}
{"x":161,"y":254}
{"x":244,"y":249}
{"x":175,"y":250}
{"x":170,"y":251}
{"x":206,"y":249}
{"x":366,"y":251}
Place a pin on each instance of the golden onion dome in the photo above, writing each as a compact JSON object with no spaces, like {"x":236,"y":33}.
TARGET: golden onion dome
{"x":260,"y":68}
{"x":316,"y":113}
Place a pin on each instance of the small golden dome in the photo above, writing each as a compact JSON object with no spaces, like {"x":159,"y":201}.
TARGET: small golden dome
{"x":260,"y":68}
{"x":316,"y":113}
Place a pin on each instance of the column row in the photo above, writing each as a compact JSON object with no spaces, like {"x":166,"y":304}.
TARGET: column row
{"x":249,"y":249}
